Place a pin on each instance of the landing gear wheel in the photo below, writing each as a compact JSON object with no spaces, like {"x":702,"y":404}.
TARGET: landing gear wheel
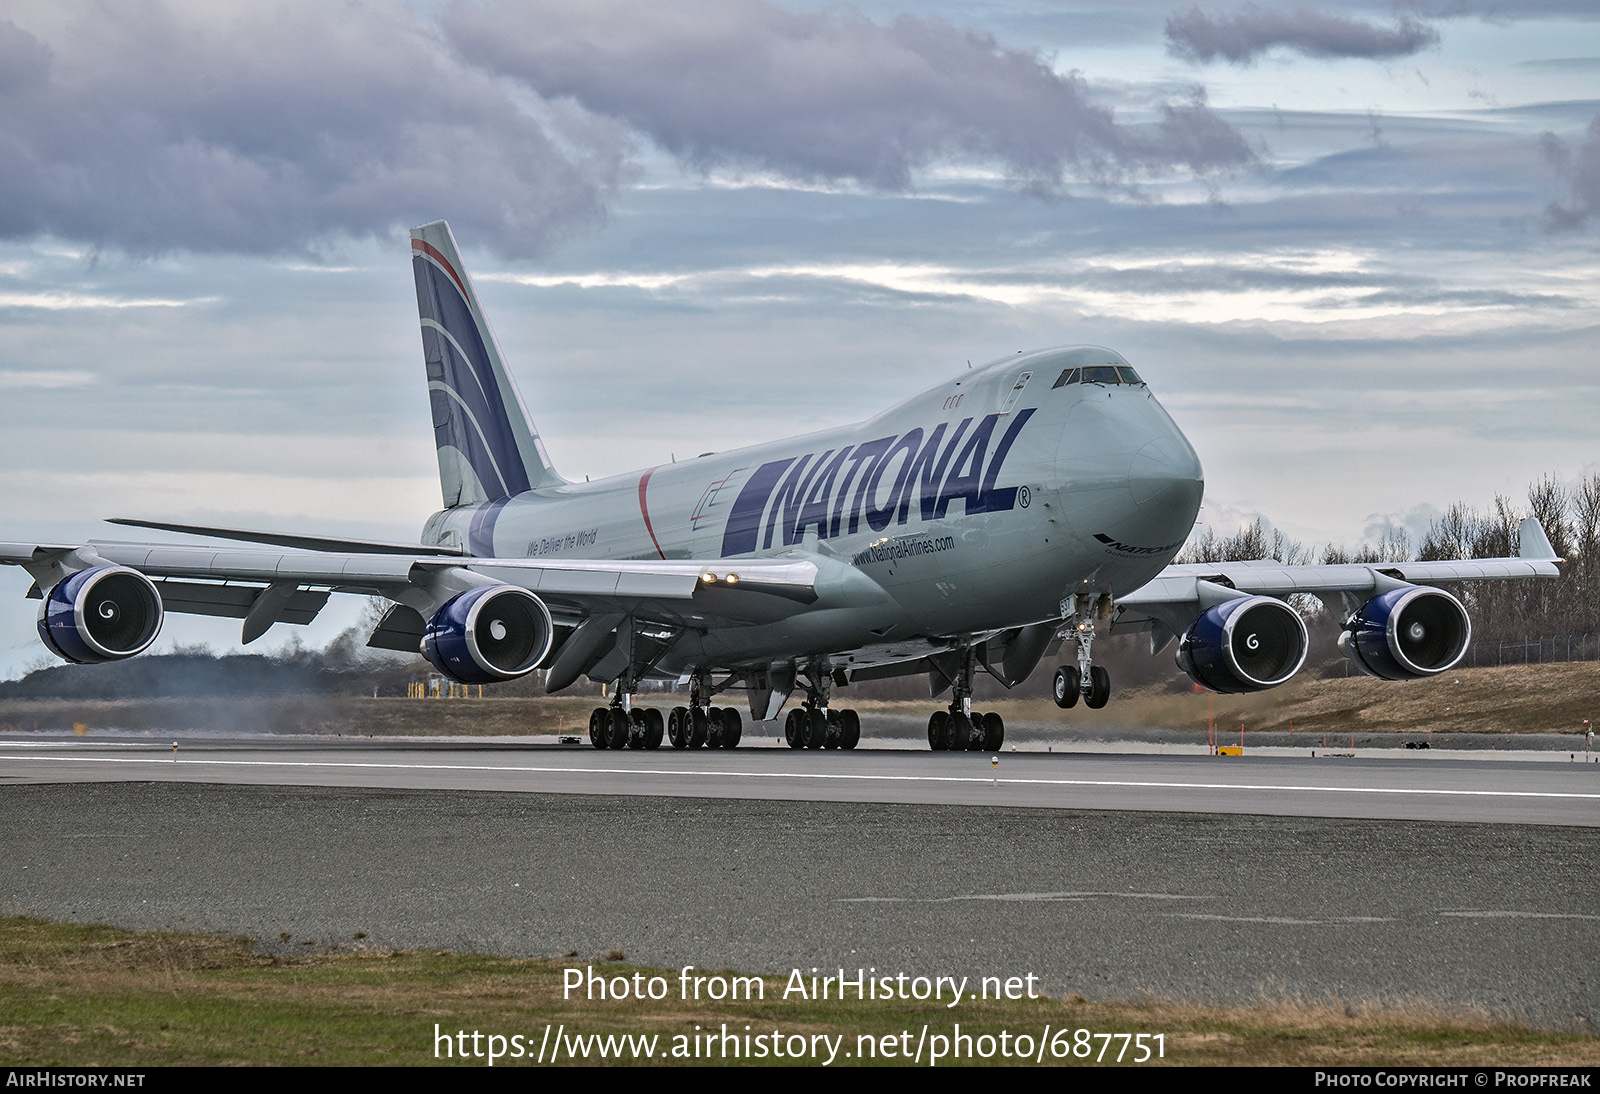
{"x":816,"y":728}
{"x":794,"y":730}
{"x":653,"y":727}
{"x":675,"y":732}
{"x":939,"y":730}
{"x":636,"y":727}
{"x":830,"y":739}
{"x":1067,"y":684}
{"x":960,"y":732}
{"x":994,"y":732}
{"x":697,"y":727}
{"x":600,"y":727}
{"x":1099,"y":688}
{"x":850,"y":729}
{"x":732,"y":729}
{"x":620,"y":724}
{"x":713,"y":727}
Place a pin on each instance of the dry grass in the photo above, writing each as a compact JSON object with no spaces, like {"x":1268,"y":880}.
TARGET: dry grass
{"x":89,"y":995}
{"x":1547,"y":699}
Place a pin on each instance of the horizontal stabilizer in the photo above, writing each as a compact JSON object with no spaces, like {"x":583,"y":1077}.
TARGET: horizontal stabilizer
{"x":285,"y":539}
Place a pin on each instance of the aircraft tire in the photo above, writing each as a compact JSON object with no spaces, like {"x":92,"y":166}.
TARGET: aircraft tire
{"x":732,"y":729}
{"x":675,"y":732}
{"x":636,"y":724}
{"x":994,"y":732}
{"x":960,"y":732}
{"x":939,"y":730}
{"x":1066,"y":686}
{"x":599,"y":728}
{"x":697,"y":727}
{"x":835,"y":732}
{"x":653,"y":728}
{"x":1099,"y":688}
{"x":816,"y":729}
{"x":792,"y":731}
{"x":850,"y":724}
{"x":618,"y":720}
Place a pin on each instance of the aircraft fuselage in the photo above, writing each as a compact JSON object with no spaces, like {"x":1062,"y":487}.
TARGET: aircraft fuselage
{"x":977,"y":505}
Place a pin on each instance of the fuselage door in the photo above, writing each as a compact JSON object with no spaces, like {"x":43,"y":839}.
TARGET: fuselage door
{"x":1016,"y":390}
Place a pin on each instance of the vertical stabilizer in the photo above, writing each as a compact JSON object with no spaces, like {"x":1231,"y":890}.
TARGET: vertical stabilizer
{"x":488,"y":446}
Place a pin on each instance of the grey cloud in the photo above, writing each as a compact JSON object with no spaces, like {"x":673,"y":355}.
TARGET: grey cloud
{"x":150,"y":126}
{"x":1579,"y":168}
{"x":829,"y":95}
{"x":1502,"y":10}
{"x":1250,"y":31}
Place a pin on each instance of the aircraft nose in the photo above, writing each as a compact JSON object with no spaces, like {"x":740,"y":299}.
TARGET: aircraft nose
{"x":1165,"y":475}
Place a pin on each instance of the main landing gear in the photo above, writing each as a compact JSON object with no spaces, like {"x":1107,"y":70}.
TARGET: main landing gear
{"x":620,"y":726}
{"x":1085,"y":678}
{"x":814,"y":724}
{"x":700,"y":725}
{"x":957,"y":728}
{"x":623,"y":725}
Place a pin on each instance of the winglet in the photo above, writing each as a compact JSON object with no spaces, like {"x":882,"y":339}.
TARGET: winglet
{"x":1533,"y":543}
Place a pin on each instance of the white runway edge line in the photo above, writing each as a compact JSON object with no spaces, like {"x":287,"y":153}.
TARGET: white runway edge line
{"x":169,"y":763}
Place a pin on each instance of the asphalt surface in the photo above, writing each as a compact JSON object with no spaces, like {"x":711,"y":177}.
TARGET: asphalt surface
{"x":1374,"y":785}
{"x":1114,"y":905}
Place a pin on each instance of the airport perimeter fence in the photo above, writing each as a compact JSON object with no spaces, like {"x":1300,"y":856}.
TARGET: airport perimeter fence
{"x":1535,"y":651}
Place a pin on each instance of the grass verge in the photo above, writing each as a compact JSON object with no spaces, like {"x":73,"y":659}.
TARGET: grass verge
{"x":83,"y":995}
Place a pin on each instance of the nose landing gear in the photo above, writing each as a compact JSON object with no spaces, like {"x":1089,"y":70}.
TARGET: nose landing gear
{"x":1087,"y":679}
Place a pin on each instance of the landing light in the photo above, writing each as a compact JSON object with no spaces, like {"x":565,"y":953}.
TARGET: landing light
{"x":733,"y":579}
{"x":709,"y":578}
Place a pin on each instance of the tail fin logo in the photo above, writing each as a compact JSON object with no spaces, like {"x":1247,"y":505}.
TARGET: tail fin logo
{"x":488,"y":447}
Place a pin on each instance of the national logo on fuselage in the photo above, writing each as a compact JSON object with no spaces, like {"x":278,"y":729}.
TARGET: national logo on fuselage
{"x":874,"y":485}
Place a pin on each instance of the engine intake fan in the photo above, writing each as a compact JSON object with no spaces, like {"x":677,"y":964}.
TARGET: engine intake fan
{"x":1407,"y":634}
{"x":487,"y":634}
{"x":104,"y":613}
{"x":1247,"y":644}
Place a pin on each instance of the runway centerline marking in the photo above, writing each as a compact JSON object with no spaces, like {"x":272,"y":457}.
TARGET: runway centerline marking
{"x":974,"y":779}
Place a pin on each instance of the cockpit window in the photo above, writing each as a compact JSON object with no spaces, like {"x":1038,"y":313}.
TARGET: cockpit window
{"x":1093,"y":365}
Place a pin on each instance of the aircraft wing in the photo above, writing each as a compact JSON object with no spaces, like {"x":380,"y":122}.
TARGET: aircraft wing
{"x":1178,"y":596}
{"x":266,"y":586}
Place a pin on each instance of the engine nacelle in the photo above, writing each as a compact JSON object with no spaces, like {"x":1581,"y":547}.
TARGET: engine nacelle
{"x":1406,"y":634}
{"x":101,"y":614}
{"x":1247,"y":644}
{"x":488,"y":634}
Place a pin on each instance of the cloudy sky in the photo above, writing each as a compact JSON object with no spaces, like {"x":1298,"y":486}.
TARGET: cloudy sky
{"x":1353,"y":247}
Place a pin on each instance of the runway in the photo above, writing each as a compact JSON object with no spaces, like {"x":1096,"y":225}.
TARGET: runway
{"x":1458,"y":883}
{"x":1212,"y":908}
{"x":1376,"y":786}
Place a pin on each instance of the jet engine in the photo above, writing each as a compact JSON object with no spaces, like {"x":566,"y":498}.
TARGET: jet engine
{"x":1406,"y":634}
{"x":101,"y":614}
{"x":1250,"y":643}
{"x":488,"y":634}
